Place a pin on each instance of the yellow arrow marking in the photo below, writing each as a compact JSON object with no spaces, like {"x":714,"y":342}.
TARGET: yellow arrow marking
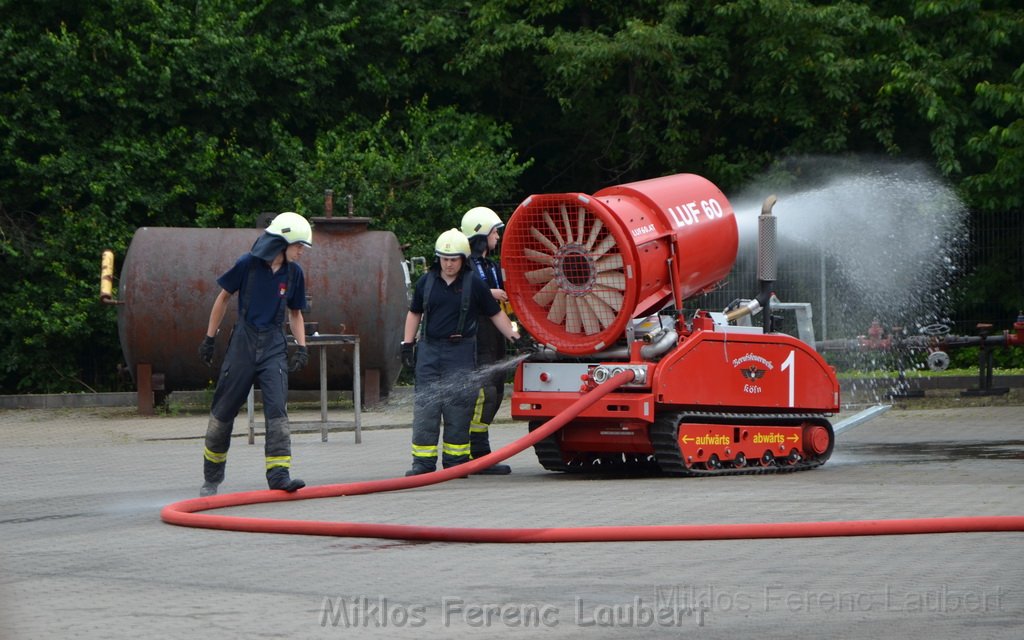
{"x":794,"y":438}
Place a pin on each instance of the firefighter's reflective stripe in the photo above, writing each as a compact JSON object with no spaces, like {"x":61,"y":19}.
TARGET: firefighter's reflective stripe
{"x":424,"y":451}
{"x":457,"y":450}
{"x":279,"y":461}
{"x":478,"y":412}
{"x":212,"y":456}
{"x":477,"y":427}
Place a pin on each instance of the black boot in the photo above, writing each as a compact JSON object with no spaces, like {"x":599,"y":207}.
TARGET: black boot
{"x":213,"y":474}
{"x":494,"y":470}
{"x":419,"y":468}
{"x":279,"y":478}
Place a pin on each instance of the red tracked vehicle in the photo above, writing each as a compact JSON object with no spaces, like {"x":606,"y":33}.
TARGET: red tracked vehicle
{"x":599,"y":281}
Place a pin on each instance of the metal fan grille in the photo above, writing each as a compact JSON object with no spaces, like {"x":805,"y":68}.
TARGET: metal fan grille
{"x":571,"y":274}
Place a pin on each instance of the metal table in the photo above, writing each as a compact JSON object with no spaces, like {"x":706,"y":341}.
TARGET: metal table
{"x":323,"y":341}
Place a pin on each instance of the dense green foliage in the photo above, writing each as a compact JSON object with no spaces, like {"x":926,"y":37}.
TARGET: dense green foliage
{"x":119,"y":114}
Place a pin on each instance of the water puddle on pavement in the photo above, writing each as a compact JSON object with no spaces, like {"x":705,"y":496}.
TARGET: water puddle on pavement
{"x":941,"y":451}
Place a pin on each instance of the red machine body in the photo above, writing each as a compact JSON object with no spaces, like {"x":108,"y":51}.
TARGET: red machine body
{"x":588,"y":276}
{"x":578,"y":268}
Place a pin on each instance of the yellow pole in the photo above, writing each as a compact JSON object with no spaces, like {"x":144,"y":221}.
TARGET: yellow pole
{"x":107,"y":277}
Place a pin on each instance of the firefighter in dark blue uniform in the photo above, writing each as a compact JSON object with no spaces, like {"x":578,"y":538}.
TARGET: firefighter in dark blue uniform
{"x":270,"y":283}
{"x":482,"y":227}
{"x":447,"y":301}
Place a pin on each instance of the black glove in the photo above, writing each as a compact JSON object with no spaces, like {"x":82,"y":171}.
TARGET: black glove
{"x":298,"y":359}
{"x":206,"y":350}
{"x":409,"y":355}
{"x":534,"y":351}
{"x":526,"y":345}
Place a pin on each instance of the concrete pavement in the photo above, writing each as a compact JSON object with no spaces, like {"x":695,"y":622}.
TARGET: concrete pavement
{"x":84,"y":554}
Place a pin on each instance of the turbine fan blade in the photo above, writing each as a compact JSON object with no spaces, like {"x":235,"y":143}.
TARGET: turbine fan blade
{"x":608,"y":263}
{"x":547,"y":294}
{"x":539,"y":237}
{"x":605,"y":314}
{"x":610,"y":297}
{"x":538,"y":256}
{"x":612,"y":279}
{"x":537,"y":276}
{"x":556,"y":313}
{"x":572,"y":315}
{"x":587,"y":315}
{"x":568,"y":225}
{"x":580,"y":217}
{"x":594,"y":231}
{"x":554,"y":229}
{"x":604,"y":246}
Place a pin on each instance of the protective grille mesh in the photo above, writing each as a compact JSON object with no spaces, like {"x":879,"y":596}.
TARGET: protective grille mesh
{"x":568,"y":272}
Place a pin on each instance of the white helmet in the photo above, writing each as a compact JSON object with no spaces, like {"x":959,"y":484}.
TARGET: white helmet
{"x":292,"y":227}
{"x":480,"y":221}
{"x":452,"y":243}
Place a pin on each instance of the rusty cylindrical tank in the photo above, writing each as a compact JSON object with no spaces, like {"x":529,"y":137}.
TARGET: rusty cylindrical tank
{"x":578,"y":267}
{"x":354,"y":278}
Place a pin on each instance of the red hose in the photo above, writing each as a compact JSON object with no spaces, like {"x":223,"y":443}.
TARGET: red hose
{"x":186,"y":512}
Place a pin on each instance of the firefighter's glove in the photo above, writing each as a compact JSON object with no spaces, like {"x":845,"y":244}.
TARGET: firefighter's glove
{"x":298,"y":359}
{"x":409,"y":355}
{"x":526,"y":345}
{"x":206,"y":350}
{"x":535,"y":351}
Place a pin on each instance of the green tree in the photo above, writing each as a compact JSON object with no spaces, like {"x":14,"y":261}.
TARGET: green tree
{"x":609,"y":91}
{"x":415,"y":172}
{"x":117,"y":115}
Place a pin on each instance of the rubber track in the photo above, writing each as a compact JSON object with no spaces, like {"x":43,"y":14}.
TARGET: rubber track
{"x":665,"y":430}
{"x":669,"y":459}
{"x":549,"y":454}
